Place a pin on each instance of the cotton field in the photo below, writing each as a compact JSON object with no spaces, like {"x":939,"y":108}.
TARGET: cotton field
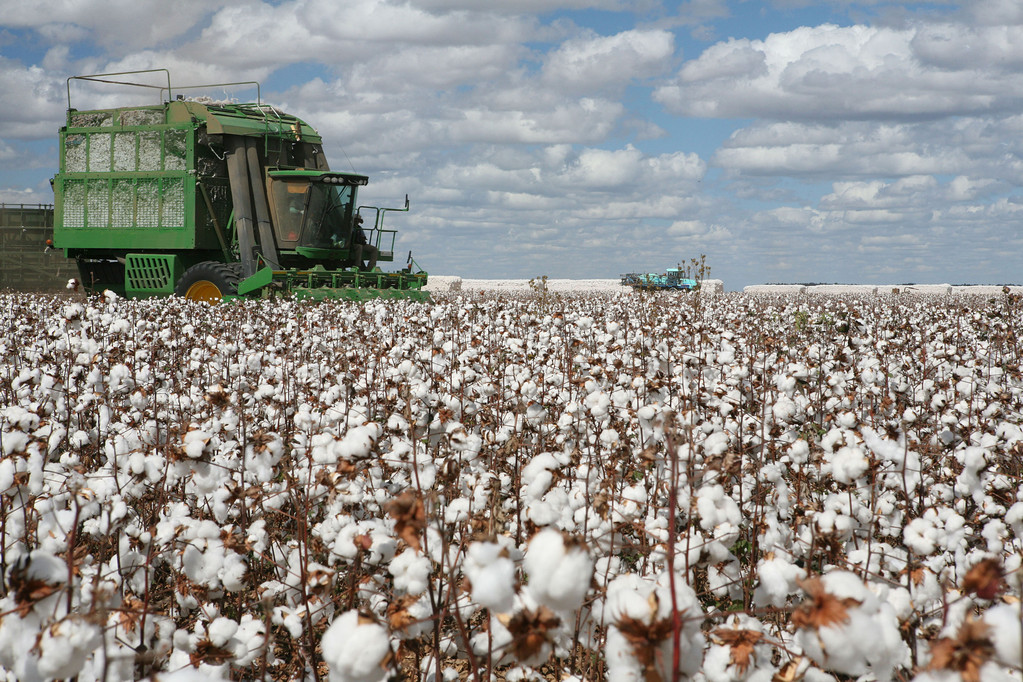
{"x":615,"y":486}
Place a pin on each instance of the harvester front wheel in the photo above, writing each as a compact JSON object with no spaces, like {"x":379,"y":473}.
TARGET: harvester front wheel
{"x":209,"y":281}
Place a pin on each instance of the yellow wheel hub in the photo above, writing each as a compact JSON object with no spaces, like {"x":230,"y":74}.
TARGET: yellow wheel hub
{"x":204,"y":290}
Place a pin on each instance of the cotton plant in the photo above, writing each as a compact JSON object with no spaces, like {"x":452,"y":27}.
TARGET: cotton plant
{"x":649,"y":629}
{"x":844,"y":627}
{"x":356,"y":649}
{"x":739,"y":651}
{"x":239,"y":449}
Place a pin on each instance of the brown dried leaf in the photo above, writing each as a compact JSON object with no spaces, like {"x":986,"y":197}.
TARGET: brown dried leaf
{"x":28,"y":591}
{"x":398,"y":616}
{"x":207,"y":652}
{"x":529,"y":630}
{"x":742,"y":643}
{"x":985,"y":579}
{"x":645,"y":638}
{"x":821,"y":609}
{"x":410,"y":517}
{"x":966,"y":653}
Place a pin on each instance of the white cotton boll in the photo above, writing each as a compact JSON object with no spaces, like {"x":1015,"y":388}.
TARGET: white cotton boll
{"x":289,"y":618}
{"x":358,"y":442}
{"x":536,"y":476}
{"x":848,"y":464}
{"x":428,"y":671}
{"x":778,"y":578}
{"x":65,"y":646}
{"x":717,"y":509}
{"x":221,"y":630}
{"x":598,"y":403}
{"x":14,"y":441}
{"x":195,"y":442}
{"x":884,"y":449}
{"x":492,"y":575}
{"x":232,"y":571}
{"x":8,"y":469}
{"x":248,"y":641}
{"x":321,"y":446}
{"x":559,"y":575}
{"x":355,"y":649}
{"x":457,"y":510}
{"x":920,"y":535}
{"x":784,"y":409}
{"x":411,"y":572}
{"x":865,"y":640}
{"x":716,"y":444}
{"x":799,"y":452}
{"x":720,"y":663}
{"x":646,"y":413}
{"x":1005,"y":623}
{"x":646,"y":604}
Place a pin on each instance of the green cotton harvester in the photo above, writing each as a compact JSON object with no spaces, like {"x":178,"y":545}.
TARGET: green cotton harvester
{"x":211,"y":200}
{"x":673,"y":280}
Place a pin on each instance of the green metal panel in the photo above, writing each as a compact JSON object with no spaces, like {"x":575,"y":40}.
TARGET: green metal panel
{"x":151,"y":274}
{"x":126,"y":182}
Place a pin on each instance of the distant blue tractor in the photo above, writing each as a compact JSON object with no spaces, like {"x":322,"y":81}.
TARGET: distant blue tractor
{"x":673,"y":279}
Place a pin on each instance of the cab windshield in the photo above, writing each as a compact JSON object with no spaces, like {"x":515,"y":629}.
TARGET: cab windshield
{"x":312,"y":214}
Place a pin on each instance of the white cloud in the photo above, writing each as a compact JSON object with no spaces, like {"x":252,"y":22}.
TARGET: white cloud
{"x":996,"y":12}
{"x":835,"y":73}
{"x":342,"y":32}
{"x":34,"y":101}
{"x":520,"y":6}
{"x":981,"y":147}
{"x":122,"y":24}
{"x":596,"y":62}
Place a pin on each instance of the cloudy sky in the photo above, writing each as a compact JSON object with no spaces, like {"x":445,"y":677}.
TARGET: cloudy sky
{"x":871,"y":141}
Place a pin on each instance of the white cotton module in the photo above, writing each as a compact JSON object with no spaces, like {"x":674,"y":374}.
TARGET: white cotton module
{"x":559,"y":576}
{"x":355,"y":648}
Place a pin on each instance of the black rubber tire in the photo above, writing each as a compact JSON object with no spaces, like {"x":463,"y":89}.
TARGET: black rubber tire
{"x":209,"y":281}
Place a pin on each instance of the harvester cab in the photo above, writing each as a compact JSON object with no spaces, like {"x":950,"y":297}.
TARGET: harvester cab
{"x":212,"y":200}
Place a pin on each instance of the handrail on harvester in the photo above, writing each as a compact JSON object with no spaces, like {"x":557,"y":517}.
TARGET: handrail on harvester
{"x":106,"y":78}
{"x":102,"y":78}
{"x":378,"y":224}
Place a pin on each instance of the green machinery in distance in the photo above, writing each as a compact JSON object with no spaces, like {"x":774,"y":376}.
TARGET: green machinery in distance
{"x":672,"y":279}
{"x":212,"y":200}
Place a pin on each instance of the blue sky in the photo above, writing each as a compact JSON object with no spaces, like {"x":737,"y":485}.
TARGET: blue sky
{"x":870,"y":141}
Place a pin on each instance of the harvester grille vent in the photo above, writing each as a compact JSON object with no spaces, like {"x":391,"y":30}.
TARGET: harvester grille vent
{"x":149,"y":273}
